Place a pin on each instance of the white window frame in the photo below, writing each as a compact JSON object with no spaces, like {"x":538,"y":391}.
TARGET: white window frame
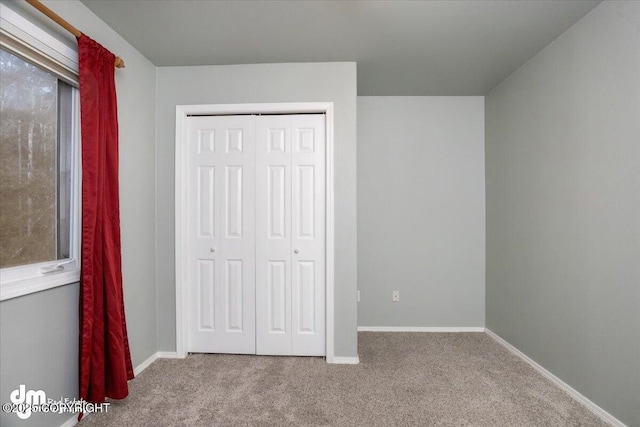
{"x":20,"y":36}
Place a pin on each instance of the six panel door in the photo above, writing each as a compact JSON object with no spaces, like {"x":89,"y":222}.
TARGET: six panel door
{"x":290,"y":235}
{"x":221,"y":205}
{"x":266,"y":172}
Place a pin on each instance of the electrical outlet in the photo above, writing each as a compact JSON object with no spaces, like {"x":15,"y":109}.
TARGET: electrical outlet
{"x":358,"y":295}
{"x":395,"y":296}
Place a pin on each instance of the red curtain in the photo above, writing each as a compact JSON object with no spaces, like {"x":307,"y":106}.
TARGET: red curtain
{"x":105,"y":362}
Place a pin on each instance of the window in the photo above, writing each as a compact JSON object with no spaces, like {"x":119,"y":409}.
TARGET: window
{"x":35,"y":144}
{"x":39,"y":167}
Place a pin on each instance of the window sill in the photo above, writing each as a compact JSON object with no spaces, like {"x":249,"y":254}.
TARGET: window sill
{"x":31,"y":285}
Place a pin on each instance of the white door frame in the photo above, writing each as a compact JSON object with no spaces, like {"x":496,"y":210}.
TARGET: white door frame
{"x":182,"y":113}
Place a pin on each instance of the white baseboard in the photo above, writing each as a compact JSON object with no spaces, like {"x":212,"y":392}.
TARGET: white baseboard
{"x":72,"y":421}
{"x":144,"y":365}
{"x":159,"y":355}
{"x":420,"y":329}
{"x":601,"y":413}
{"x":337,"y":360}
{"x":168,"y":355}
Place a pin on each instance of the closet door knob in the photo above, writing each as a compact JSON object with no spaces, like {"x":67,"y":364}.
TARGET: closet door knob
{"x":295,"y":251}
{"x":212,"y":250}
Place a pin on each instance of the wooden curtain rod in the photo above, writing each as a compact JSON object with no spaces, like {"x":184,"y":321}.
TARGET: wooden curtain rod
{"x":119,"y":63}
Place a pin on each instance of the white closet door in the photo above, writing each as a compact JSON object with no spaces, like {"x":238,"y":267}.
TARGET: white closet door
{"x":221,"y":206}
{"x":290,"y":235}
{"x":308,"y":235}
{"x":273,"y":235}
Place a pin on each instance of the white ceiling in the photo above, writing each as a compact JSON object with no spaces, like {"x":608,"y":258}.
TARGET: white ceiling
{"x":401,"y":47}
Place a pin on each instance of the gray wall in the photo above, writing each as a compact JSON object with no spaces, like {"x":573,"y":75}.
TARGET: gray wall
{"x":326,"y":82}
{"x":421,"y":211}
{"x":39,"y":335}
{"x":39,"y":332}
{"x":563,"y":208}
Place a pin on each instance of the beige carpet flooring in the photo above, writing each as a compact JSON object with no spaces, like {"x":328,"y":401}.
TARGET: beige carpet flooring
{"x":403,"y":379}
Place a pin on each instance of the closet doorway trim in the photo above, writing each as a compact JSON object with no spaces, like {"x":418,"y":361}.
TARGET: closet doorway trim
{"x":182,"y":113}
